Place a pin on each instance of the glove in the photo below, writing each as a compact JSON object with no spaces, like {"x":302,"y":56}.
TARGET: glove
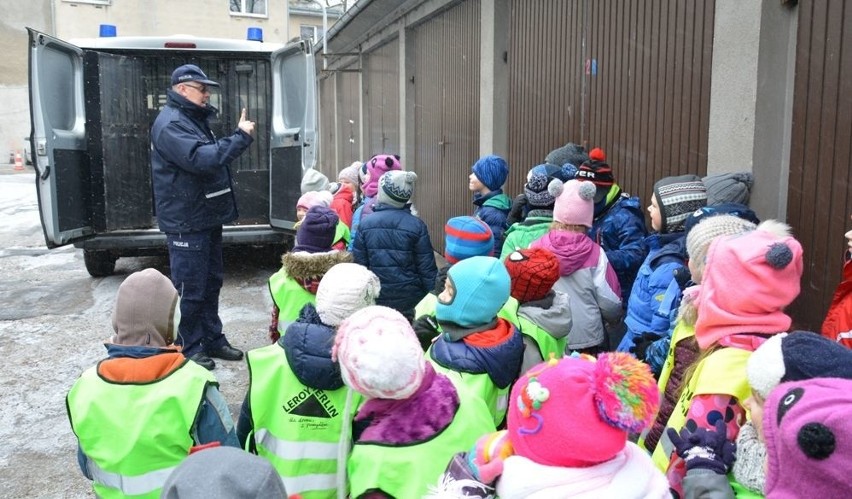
{"x":683,"y":277}
{"x":427,"y":329}
{"x":642,"y":342}
{"x":705,"y":449}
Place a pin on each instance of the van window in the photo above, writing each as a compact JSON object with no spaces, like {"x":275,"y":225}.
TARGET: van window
{"x":58,"y":87}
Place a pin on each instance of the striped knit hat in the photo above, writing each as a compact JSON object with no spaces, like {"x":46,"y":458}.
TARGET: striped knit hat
{"x":466,"y":237}
{"x":677,"y":198}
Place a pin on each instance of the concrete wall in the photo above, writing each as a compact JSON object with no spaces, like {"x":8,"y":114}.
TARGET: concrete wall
{"x":167,"y":17}
{"x":751,"y":97}
{"x":14,"y":100}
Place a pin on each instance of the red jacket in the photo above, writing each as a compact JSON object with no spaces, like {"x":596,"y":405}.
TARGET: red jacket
{"x":838,"y":321}
{"x":342,"y":204}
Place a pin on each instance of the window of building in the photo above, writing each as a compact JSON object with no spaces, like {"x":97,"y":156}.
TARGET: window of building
{"x":310,"y":32}
{"x":255,"y":8}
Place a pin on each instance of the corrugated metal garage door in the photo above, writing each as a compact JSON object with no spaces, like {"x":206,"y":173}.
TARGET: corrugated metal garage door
{"x":631,"y":76}
{"x":446,"y":114}
{"x":348,"y":116}
{"x":381,"y":91}
{"x":820,"y":161}
{"x":327,"y":130}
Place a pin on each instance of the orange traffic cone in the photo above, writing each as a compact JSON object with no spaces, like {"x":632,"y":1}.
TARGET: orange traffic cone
{"x":19,"y":162}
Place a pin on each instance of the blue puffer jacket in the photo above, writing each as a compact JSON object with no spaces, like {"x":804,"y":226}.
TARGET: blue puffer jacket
{"x":620,"y":230}
{"x":192,"y":181}
{"x":493,"y":209}
{"x":395,"y":245}
{"x":668,"y":253}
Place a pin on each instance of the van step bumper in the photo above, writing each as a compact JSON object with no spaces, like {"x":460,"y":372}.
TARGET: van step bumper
{"x":153,"y":239}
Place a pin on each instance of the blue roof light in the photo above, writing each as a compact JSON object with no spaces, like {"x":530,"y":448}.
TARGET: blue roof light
{"x":107,"y":31}
{"x":255,"y":34}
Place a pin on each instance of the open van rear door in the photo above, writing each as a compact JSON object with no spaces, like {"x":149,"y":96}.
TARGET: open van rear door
{"x":293,"y":141}
{"x":58,"y":116}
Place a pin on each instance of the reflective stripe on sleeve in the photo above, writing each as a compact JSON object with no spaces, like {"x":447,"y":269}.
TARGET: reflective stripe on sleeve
{"x":130,"y":485}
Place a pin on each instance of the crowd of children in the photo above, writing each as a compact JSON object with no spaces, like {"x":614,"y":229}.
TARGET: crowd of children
{"x":503,"y":373}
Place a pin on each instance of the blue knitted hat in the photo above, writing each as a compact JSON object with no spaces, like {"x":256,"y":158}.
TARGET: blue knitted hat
{"x":492,"y":171}
{"x":466,"y":237}
{"x":482,"y":286}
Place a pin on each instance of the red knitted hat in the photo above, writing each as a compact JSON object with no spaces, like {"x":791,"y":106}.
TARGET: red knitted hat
{"x":534,"y":271}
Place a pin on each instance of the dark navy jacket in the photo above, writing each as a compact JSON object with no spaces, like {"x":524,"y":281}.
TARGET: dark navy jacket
{"x":620,"y":231}
{"x":193,"y":188}
{"x":395,"y":245}
{"x":501,"y":361}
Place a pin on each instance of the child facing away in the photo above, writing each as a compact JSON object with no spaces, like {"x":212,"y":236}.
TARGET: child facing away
{"x":395,"y":245}
{"x":295,"y":284}
{"x":673,"y":200}
{"x":464,"y":237}
{"x":295,"y":403}
{"x":414,"y":419}
{"x":567,"y":436}
{"x":477,"y":348}
{"x":536,"y":213}
{"x":618,"y":225}
{"x":838,"y":321}
{"x":586,"y":275}
{"x":370,"y":173}
{"x":486,"y":180}
{"x":542,"y":315}
{"x":747,"y":282}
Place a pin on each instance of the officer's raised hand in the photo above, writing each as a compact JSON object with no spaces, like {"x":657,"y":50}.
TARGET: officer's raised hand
{"x":244,"y":124}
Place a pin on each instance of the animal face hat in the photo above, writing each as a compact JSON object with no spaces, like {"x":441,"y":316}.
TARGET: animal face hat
{"x":577,"y":411}
{"x":377,"y":166}
{"x":797,"y":356}
{"x":808,"y":432}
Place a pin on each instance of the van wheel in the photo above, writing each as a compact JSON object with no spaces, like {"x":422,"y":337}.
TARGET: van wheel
{"x":99,"y":263}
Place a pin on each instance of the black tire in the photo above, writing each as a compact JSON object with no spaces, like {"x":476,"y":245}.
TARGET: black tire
{"x":99,"y":263}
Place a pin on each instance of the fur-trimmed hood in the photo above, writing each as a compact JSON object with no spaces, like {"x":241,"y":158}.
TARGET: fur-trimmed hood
{"x":304,"y":265}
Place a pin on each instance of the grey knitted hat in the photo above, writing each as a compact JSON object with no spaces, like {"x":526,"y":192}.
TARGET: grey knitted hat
{"x":396,"y":188}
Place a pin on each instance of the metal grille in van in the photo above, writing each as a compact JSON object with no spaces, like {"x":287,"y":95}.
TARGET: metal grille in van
{"x":244,"y":83}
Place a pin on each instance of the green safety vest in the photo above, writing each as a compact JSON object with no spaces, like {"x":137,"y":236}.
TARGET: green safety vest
{"x":723,"y":372}
{"x":427,"y":306}
{"x":135,"y":434}
{"x":289,"y":296}
{"x":407,"y":471}
{"x":478,"y":385}
{"x":547,"y":344}
{"x":295,"y":427}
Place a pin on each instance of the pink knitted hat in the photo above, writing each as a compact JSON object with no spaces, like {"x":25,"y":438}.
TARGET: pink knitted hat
{"x":577,"y":411}
{"x":377,"y":166}
{"x":748,"y":281}
{"x":314,"y":198}
{"x":379,"y":354}
{"x":575,"y":203}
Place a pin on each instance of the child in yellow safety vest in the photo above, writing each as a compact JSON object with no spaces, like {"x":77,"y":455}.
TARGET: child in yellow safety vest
{"x":542,"y":315}
{"x":295,"y":410}
{"x":476,"y":348}
{"x":295,"y":284}
{"x":414,"y":419}
{"x":747,"y":282}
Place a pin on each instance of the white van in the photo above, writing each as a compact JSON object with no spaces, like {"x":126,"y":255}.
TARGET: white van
{"x":92,"y":105}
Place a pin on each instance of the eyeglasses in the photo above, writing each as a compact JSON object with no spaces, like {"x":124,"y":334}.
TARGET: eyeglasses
{"x":201,"y":89}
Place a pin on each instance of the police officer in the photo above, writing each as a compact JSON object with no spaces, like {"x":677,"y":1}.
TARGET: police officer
{"x":194,"y":197}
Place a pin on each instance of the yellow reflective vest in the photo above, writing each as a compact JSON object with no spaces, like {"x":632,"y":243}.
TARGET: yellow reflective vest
{"x":407,"y":471}
{"x":135,"y":434}
{"x":296,"y":427}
